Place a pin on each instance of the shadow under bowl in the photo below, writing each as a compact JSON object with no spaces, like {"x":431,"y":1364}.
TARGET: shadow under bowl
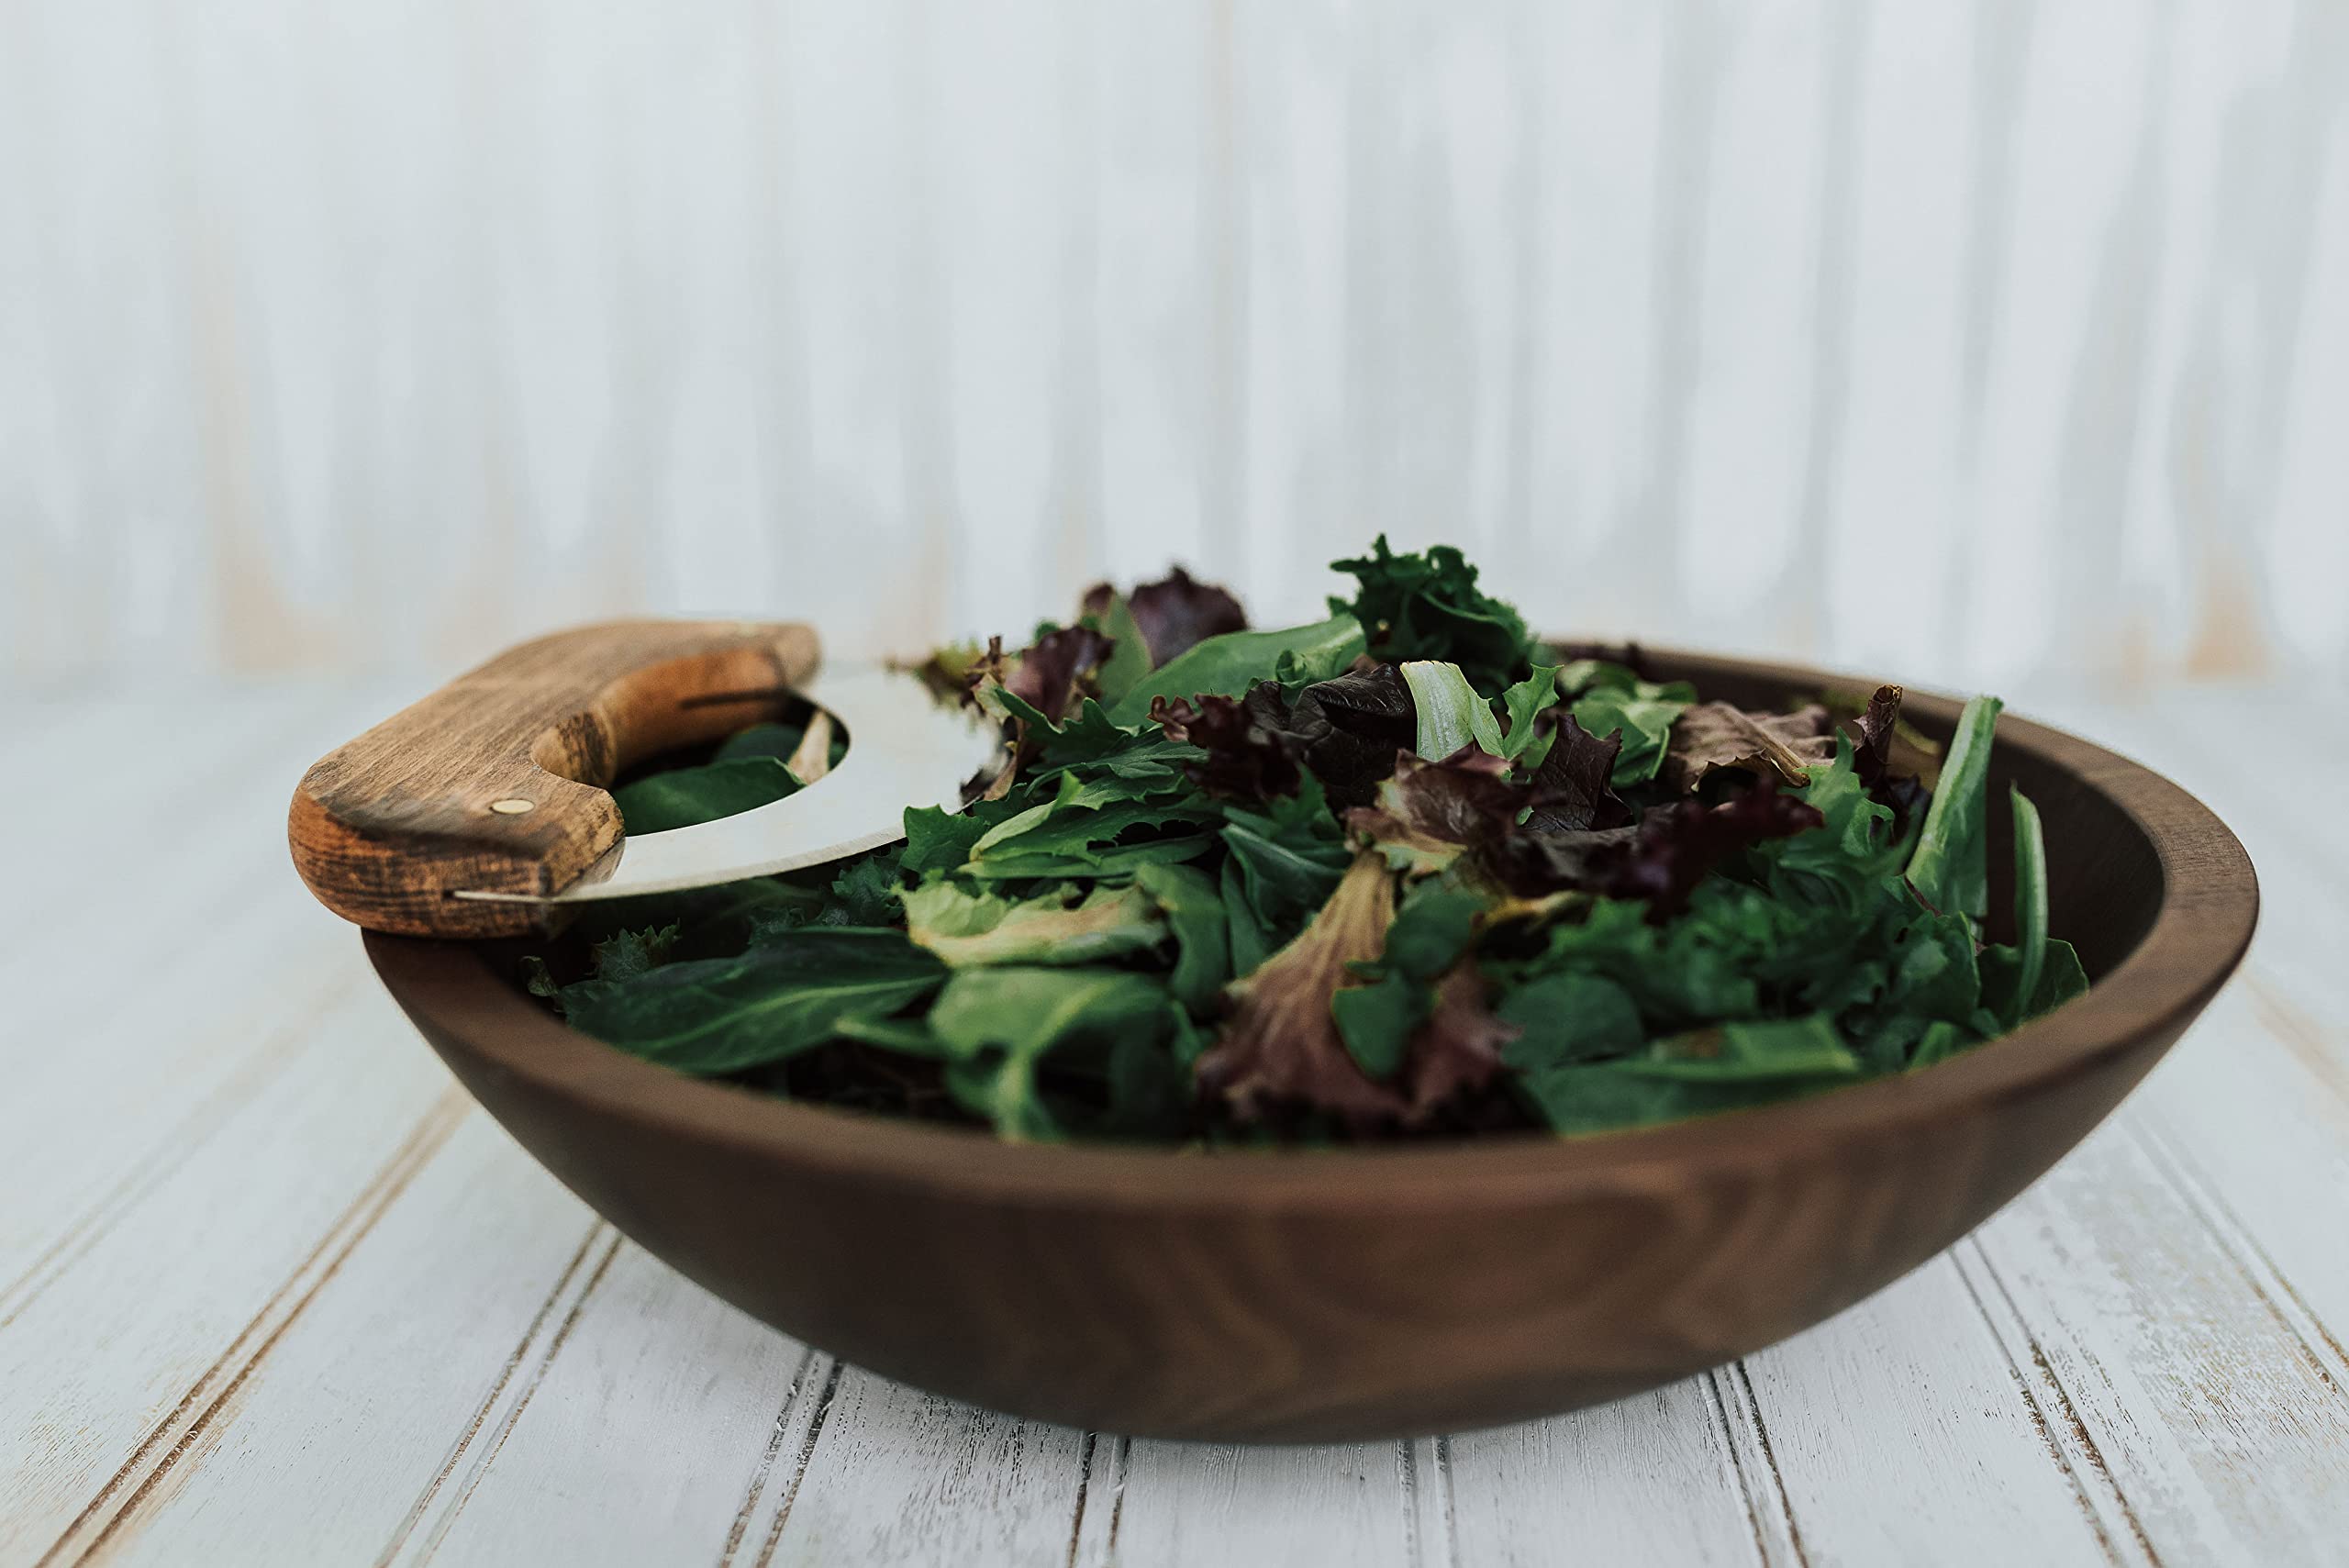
{"x":1350,"y":1293}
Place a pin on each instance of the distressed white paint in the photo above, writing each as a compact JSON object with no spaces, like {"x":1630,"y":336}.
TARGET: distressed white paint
{"x":269,"y":1293}
{"x":378,"y":334}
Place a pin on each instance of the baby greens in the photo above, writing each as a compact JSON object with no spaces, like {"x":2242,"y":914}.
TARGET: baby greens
{"x":1399,"y":872}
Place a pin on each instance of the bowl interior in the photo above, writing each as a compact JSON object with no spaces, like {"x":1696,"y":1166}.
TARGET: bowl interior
{"x":2105,"y":879}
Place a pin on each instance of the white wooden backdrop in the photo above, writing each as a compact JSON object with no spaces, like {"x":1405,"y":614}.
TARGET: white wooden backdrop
{"x":1975,"y":340}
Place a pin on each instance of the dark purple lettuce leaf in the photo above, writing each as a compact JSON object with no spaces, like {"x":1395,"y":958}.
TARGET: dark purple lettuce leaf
{"x":1672,"y":849}
{"x":1281,"y":1049}
{"x":1572,"y":785}
{"x":1467,"y":798}
{"x":1458,"y":1051}
{"x":1356,"y":724}
{"x":1346,"y":730}
{"x":1052,"y":675}
{"x":1253,"y":751}
{"x":1174,"y":612}
{"x":1895,"y":769}
{"x":1281,"y":1045}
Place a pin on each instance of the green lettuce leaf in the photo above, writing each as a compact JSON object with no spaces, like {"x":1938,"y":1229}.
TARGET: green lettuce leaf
{"x":1229,"y":664}
{"x":1950,"y":868}
{"x":1062,"y":926}
{"x":1428,"y":606}
{"x":1451,"y":714}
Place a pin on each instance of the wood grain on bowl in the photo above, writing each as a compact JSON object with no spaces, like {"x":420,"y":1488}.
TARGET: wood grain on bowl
{"x":1355,"y":1293}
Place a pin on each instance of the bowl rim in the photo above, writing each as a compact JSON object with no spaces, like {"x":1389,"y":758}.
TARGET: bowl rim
{"x":2209,"y":908}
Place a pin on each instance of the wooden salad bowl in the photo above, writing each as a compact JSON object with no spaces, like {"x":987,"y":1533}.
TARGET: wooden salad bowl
{"x":1371,"y":1293}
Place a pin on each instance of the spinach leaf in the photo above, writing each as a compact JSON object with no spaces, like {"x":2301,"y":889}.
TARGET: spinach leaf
{"x":722,"y":1015}
{"x":996,"y":1024}
{"x":1195,"y":912}
{"x":776,"y":741}
{"x":1430,"y":930}
{"x":1616,"y":1097}
{"x":1568,"y":1018}
{"x":682,"y":798}
{"x":1249,"y":939}
{"x":1290,"y":856}
{"x":1735,"y":1065}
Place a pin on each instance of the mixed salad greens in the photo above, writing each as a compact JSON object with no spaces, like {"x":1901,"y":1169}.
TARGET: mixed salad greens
{"x":1402,"y":872}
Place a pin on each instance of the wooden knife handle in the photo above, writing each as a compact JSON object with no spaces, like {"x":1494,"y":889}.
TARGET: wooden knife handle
{"x":496,"y":781}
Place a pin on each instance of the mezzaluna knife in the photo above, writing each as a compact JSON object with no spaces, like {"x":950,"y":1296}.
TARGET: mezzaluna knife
{"x":481,"y":810}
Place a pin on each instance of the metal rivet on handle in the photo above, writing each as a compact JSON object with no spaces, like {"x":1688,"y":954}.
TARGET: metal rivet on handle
{"x":513,"y":805}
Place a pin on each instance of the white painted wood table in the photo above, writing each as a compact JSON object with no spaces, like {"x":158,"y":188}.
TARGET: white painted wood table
{"x":272,"y":1291}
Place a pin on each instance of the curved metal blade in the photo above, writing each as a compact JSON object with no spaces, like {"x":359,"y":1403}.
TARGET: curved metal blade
{"x":903,"y":750}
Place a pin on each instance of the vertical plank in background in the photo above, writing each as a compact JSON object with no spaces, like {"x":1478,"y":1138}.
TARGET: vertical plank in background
{"x":2308,"y":554}
{"x":1892,"y":501}
{"x":718,"y":490}
{"x":1156,"y":325}
{"x":606,"y":272}
{"x":2082,"y":117}
{"x":1592,"y":391}
{"x":1374,"y":191}
{"x":2219,"y":50}
{"x":2247,"y":330}
{"x":1645,"y":574}
{"x":1078,"y":525}
{"x":1468,"y":241}
{"x":1755,"y":378}
{"x":1297,"y":488}
{"x":849,"y":146}
{"x":33,"y":532}
{"x":413,"y":188}
{"x":999,"y":246}
{"x":104,"y":485}
{"x":1429,"y":249}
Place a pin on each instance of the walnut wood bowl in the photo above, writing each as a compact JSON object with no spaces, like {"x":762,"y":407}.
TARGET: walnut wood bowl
{"x":1326,"y":1295}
